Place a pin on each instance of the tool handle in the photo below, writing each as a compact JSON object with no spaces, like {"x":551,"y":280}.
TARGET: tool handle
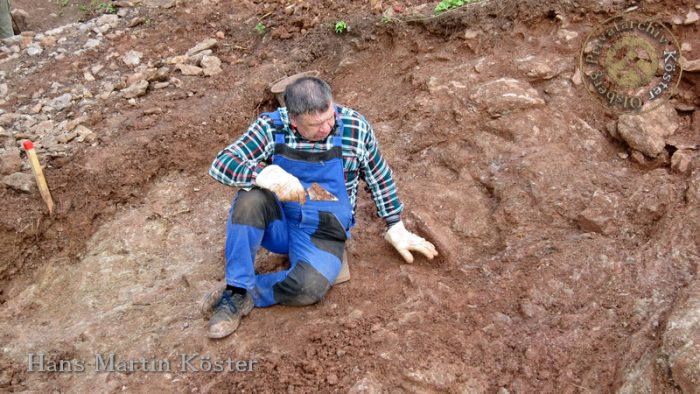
{"x":38,"y":174}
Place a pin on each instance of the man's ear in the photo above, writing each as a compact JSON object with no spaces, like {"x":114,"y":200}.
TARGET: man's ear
{"x":293,"y":122}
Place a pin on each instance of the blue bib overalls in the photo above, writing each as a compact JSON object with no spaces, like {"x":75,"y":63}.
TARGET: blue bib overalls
{"x":312,"y":234}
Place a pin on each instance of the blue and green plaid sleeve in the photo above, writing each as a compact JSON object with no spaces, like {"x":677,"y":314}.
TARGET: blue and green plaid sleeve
{"x":379,"y":178}
{"x":239,"y":163}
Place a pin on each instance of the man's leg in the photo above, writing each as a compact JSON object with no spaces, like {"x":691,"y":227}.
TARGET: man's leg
{"x":5,"y":20}
{"x":315,"y":253}
{"x":255,"y":219}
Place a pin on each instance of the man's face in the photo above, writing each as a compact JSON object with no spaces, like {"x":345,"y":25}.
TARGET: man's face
{"x":316,"y":126}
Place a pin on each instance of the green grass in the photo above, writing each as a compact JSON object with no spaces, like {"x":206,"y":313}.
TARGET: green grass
{"x":341,"y":27}
{"x":260,"y":28}
{"x":445,"y":5}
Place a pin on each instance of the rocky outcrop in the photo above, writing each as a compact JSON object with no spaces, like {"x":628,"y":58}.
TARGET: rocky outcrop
{"x":506,"y":95}
{"x":681,"y":341}
{"x":646,"y":132}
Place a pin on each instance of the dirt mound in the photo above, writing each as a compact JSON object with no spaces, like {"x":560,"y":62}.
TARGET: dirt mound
{"x":568,"y":259}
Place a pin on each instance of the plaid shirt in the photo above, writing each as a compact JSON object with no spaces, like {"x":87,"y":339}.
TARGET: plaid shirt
{"x":239,"y":163}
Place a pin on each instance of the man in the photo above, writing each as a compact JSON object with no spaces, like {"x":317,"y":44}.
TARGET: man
{"x":310,"y":142}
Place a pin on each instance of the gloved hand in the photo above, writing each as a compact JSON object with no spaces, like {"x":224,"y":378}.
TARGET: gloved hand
{"x":285,"y":185}
{"x":404,"y":241}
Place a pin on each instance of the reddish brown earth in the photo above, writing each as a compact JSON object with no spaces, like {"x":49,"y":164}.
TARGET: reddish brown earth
{"x":530,"y":294}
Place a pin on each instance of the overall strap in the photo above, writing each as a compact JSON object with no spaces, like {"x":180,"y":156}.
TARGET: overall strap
{"x":279,"y":138}
{"x":340,"y":128}
{"x":275,"y":119}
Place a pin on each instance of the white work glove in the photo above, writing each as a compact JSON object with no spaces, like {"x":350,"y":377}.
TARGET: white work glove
{"x":404,"y":241}
{"x":285,"y":185}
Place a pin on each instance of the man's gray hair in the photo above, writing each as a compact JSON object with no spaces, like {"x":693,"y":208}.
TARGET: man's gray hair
{"x":307,"y":95}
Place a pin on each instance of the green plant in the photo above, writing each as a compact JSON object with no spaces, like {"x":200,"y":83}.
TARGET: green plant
{"x":260,"y":28}
{"x":147,"y":23}
{"x":64,"y":3}
{"x":102,"y":7}
{"x":83,"y":8}
{"x":341,"y":27}
{"x":386,"y":19}
{"x":107,"y":8}
{"x":445,"y":5}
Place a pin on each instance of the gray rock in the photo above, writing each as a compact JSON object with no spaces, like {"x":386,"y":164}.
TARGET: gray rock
{"x":681,"y":161}
{"x":691,"y":65}
{"x":20,"y":181}
{"x":3,"y":90}
{"x":160,"y":3}
{"x":204,"y":45}
{"x":645,"y":132}
{"x":136,"y":21}
{"x":188,"y":69}
{"x":540,"y":67}
{"x":135,"y":90}
{"x":211,"y":65}
{"x":61,"y":102}
{"x":196,"y":59}
{"x":691,"y":17}
{"x":67,"y":137}
{"x":567,"y":35}
{"x":132,"y":58}
{"x":56,"y":31}
{"x":505,"y":95}
{"x":8,"y":119}
{"x":576,"y":78}
{"x":143,"y":75}
{"x":108,"y":19}
{"x":48,"y":42}
{"x":85,"y":134}
{"x":92,"y":43}
{"x":177,"y":59}
{"x":10,"y":161}
{"x":471,"y":34}
{"x":43,"y":127}
{"x":34,"y":50}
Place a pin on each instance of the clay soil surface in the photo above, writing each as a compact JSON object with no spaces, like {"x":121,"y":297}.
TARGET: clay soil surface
{"x":561,"y":261}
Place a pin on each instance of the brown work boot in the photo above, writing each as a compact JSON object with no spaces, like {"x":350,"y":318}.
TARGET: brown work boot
{"x":228,"y":311}
{"x":210,"y":300}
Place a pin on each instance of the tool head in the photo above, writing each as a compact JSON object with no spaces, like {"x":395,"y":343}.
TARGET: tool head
{"x":316,"y":192}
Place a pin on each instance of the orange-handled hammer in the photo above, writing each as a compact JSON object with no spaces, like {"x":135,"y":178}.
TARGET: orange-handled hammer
{"x":38,"y":174}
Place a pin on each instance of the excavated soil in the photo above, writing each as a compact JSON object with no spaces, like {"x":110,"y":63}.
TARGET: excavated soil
{"x":526,"y":296}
